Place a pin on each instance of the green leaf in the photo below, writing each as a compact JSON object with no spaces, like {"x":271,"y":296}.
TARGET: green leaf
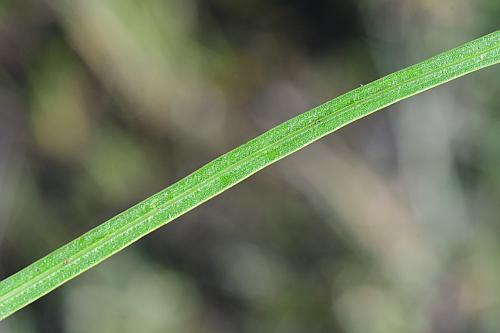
{"x":217,"y":176}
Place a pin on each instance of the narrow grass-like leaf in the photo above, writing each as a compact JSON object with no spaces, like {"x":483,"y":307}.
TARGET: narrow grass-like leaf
{"x":217,"y":176}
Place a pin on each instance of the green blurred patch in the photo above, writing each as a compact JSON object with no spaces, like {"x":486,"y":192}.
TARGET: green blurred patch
{"x":145,"y":297}
{"x":118,"y":165}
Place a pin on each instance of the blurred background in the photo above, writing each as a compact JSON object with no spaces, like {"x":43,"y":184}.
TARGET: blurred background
{"x":389,"y":225}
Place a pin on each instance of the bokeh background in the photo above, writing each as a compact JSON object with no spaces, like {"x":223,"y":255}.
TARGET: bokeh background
{"x":389,"y":225}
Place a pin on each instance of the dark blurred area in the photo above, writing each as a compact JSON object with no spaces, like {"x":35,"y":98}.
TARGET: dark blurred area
{"x":389,"y":225}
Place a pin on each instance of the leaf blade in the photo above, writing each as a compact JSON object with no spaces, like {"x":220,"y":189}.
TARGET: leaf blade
{"x":233,"y":167}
